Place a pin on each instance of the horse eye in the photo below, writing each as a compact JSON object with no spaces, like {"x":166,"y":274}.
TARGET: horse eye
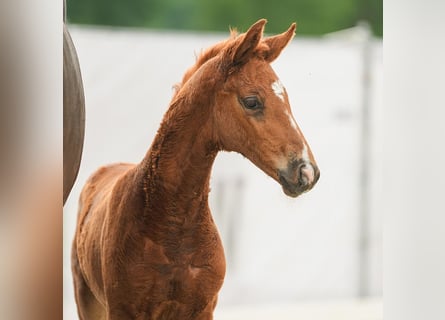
{"x":251,"y":103}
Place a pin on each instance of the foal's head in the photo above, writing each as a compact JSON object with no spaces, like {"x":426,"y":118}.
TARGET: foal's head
{"x":250,"y":110}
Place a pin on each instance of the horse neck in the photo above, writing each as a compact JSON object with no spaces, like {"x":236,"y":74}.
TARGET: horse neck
{"x":177,"y":166}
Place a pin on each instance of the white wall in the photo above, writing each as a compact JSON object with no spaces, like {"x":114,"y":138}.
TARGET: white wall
{"x":314,"y":248}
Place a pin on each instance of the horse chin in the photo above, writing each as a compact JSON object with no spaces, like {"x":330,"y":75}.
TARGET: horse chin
{"x":291,"y":190}
{"x":291,"y":193}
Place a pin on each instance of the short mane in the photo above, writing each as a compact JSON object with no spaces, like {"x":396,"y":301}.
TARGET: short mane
{"x":213,"y":51}
{"x":205,"y":56}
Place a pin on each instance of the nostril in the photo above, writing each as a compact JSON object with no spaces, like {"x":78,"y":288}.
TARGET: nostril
{"x":307,"y":174}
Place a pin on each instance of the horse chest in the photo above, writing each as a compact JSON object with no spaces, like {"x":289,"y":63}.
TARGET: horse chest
{"x":186,"y":264}
{"x":181,"y":280}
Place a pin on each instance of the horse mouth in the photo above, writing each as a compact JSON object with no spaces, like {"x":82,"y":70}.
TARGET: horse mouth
{"x":295,"y":186}
{"x":291,"y":189}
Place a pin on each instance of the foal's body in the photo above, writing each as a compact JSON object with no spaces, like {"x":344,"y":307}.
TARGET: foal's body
{"x":146,"y":246}
{"x":158,"y":244}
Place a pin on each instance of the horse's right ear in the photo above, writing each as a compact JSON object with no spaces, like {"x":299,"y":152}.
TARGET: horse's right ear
{"x":277,"y":43}
{"x":247,"y":43}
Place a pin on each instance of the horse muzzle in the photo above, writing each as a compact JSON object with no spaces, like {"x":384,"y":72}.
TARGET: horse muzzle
{"x":299,"y":177}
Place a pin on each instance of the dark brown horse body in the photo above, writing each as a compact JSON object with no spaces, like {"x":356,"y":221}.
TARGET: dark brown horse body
{"x":146,"y":246}
{"x":73,"y":114}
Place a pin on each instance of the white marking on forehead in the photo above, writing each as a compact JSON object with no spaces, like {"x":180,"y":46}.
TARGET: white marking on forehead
{"x":278,"y":89}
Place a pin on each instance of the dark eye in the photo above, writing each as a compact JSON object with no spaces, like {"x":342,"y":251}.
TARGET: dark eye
{"x":251,"y":103}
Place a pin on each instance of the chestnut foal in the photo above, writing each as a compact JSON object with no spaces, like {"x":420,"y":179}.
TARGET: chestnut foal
{"x":146,"y":246}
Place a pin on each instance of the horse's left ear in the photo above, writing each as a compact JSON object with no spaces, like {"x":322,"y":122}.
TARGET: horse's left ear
{"x":248,"y":42}
{"x":277,"y":43}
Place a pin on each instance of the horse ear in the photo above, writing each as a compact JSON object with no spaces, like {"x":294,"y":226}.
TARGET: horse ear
{"x":248,"y":43}
{"x":277,"y":43}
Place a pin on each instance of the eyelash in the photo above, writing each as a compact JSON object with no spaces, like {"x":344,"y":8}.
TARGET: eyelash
{"x":251,"y":103}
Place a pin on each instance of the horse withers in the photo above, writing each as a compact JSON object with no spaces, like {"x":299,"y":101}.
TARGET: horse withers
{"x":146,"y":246}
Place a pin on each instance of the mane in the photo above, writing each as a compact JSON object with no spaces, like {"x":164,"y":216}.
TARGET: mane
{"x":213,"y":51}
{"x":205,"y":56}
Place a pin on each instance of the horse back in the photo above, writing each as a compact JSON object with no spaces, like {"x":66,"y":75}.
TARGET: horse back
{"x":93,"y":210}
{"x":98,"y":188}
